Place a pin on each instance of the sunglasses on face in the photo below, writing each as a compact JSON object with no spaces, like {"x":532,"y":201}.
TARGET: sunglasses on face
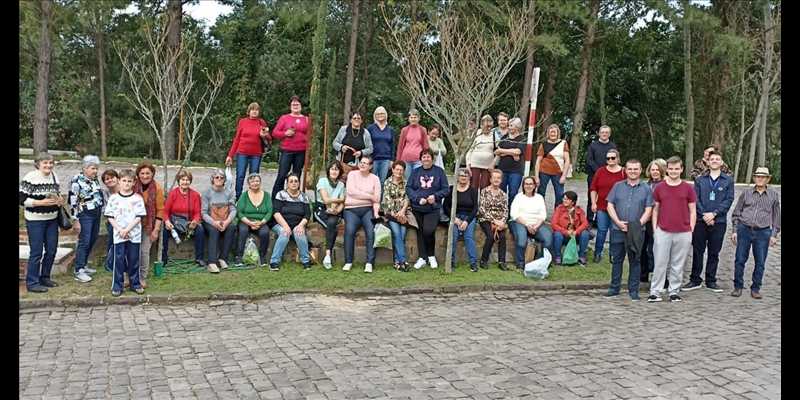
{"x":610,"y":158}
{"x":219,"y":177}
{"x":294,"y":181}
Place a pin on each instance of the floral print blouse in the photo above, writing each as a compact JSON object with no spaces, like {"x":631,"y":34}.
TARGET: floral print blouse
{"x":492,"y":207}
{"x":394,"y":196}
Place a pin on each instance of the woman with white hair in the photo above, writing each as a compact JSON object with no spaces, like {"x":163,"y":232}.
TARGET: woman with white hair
{"x":383,"y":150}
{"x":512,"y":163}
{"x":218,"y":211}
{"x":86,"y":201}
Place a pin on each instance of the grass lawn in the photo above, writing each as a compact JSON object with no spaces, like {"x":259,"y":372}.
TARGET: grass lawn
{"x":293,"y":277}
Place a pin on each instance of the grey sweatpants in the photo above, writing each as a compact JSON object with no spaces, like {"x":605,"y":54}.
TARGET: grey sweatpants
{"x":670,"y":249}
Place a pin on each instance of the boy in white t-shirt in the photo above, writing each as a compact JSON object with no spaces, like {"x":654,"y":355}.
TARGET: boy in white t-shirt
{"x":125,"y":211}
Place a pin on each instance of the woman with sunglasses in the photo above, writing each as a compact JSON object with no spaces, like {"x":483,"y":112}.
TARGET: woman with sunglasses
{"x":218,"y":212}
{"x":604,"y":179}
{"x":290,"y":215}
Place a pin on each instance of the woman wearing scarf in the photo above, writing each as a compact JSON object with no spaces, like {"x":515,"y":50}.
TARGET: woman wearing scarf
{"x":153,"y":195}
{"x":86,"y":201}
{"x":352,"y":142}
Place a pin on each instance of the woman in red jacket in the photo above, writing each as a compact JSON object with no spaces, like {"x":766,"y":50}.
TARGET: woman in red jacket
{"x":292,"y":130}
{"x":247,"y":145}
{"x":604,"y":179}
{"x":569,"y":221}
{"x":183,"y":203}
{"x":413,"y":139}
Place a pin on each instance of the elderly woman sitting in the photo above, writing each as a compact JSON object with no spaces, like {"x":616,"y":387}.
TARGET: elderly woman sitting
{"x":219,"y":210}
{"x":86,"y":203}
{"x":255,"y":211}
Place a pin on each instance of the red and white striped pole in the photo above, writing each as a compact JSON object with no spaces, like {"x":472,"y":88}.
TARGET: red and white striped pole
{"x":531,"y":119}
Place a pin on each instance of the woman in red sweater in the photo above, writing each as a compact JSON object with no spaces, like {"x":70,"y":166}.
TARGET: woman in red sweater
{"x":604,"y":179}
{"x":247,"y":145}
{"x":184,"y":202}
{"x":292,"y":130}
{"x":413,"y":139}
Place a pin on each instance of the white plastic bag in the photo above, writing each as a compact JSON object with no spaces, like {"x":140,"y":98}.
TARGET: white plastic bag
{"x":229,"y":178}
{"x":251,"y":256}
{"x":383,"y":237}
{"x":439,"y":162}
{"x":539,"y":268}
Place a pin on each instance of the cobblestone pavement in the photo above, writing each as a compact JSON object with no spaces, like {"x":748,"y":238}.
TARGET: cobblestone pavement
{"x":502,"y":345}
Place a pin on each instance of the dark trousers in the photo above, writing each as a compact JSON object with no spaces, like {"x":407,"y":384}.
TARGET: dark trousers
{"x":126,"y":260}
{"x":241,"y":239}
{"x":589,"y":213}
{"x":617,"y":241}
{"x":43,"y":242}
{"x":711,"y":237}
{"x":426,"y":234}
{"x":213,"y":241}
{"x":293,"y":160}
{"x":199,"y":238}
{"x":489,"y":242}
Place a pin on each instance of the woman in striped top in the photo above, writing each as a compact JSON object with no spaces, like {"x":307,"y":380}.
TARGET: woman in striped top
{"x":39,"y":194}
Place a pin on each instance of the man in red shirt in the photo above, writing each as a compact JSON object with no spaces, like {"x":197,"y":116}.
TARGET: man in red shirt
{"x":674,"y":218}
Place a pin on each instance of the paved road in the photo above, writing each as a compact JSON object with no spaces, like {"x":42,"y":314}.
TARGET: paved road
{"x":480,"y":346}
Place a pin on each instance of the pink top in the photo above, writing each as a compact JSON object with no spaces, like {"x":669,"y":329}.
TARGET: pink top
{"x":673,"y":212}
{"x":413,"y":139}
{"x":248,"y":137}
{"x":299,"y":140}
{"x":362,"y":191}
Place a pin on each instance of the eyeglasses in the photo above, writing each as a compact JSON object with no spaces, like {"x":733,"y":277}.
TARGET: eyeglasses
{"x":611,"y":158}
{"x":219,"y":177}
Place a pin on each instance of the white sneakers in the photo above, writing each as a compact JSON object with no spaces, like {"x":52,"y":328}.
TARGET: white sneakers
{"x":89,"y":271}
{"x":432,"y":262}
{"x":347,"y":267}
{"x":420,"y":263}
{"x":368,"y":268}
{"x":326,"y":262}
{"x":82,"y":277}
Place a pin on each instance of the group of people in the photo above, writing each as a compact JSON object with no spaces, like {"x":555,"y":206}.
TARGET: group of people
{"x":372,"y":180}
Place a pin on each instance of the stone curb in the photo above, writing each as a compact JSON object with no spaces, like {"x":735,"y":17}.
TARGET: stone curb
{"x":536,"y":288}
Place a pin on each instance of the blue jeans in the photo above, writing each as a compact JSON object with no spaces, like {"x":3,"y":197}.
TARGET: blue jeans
{"x":582,"y":239}
{"x":126,"y":260}
{"x":469,"y":239}
{"x":242,"y":164}
{"x":711,"y":236}
{"x":603,"y":223}
{"x":758,"y":239}
{"x":510,"y":185}
{"x":398,"y":241}
{"x":381,"y":169}
{"x":355,"y":218}
{"x":410,"y":166}
{"x":90,"y":230}
{"x":543,"y":235}
{"x":617,"y":243}
{"x":293,"y":160}
{"x":41,"y":235}
{"x":109,"y":246}
{"x":557,"y":187}
{"x":199,"y":237}
{"x":213,"y":240}
{"x":282,"y":241}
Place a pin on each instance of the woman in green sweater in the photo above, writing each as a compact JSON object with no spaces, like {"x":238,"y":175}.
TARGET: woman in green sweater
{"x":254,"y":210}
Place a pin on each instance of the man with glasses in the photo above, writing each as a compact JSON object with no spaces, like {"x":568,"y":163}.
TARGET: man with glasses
{"x":714,"y":191}
{"x":756,"y":223}
{"x":595,"y":159}
{"x":630,"y":204}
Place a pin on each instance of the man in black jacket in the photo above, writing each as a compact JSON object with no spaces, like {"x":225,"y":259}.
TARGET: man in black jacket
{"x":595,"y":159}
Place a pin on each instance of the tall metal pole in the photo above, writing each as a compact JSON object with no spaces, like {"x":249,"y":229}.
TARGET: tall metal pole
{"x":531,"y":119}
{"x":309,"y":136}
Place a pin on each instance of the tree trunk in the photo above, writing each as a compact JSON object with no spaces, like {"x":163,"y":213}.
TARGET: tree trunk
{"x":41,"y":109}
{"x":728,"y":17}
{"x":101,"y":68}
{"x":742,"y":130}
{"x":687,"y":88}
{"x":547,"y":99}
{"x":173,"y":44}
{"x":413,"y":21}
{"x":523,"y":113}
{"x":583,"y":82}
{"x":367,"y":43}
{"x":769,"y":41}
{"x":351,"y":63}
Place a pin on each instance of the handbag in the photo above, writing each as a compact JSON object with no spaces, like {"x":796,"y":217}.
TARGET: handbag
{"x":266,"y":145}
{"x":530,"y":251}
{"x":219,"y":213}
{"x":64,"y":221}
{"x":180,"y":223}
{"x":346,"y":168}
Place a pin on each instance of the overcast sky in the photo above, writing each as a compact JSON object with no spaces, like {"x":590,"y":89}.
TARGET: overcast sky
{"x":208,"y":10}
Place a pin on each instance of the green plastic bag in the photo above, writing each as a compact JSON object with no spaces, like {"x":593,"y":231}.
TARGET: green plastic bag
{"x":570,"y":252}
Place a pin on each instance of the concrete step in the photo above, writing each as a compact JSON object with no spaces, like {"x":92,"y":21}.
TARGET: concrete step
{"x":64,"y":262}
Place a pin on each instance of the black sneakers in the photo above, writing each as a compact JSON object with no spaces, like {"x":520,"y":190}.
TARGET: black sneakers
{"x":674,"y":298}
{"x":274,"y":267}
{"x":690,"y":286}
{"x":654,"y":298}
{"x":713,"y":287}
